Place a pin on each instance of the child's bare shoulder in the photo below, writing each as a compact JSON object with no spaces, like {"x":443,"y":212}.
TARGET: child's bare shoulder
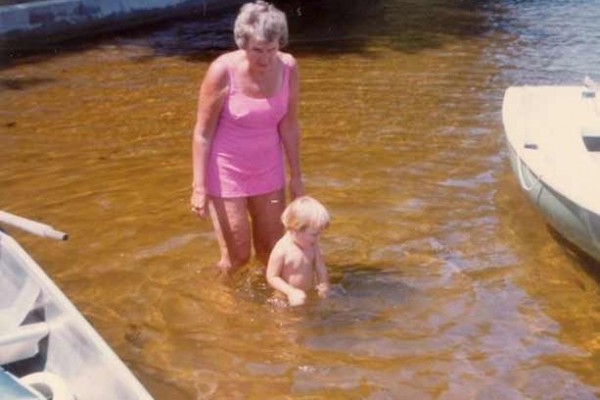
{"x":281,"y":247}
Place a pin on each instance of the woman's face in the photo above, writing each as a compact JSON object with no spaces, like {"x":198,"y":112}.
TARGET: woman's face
{"x":261,"y":54}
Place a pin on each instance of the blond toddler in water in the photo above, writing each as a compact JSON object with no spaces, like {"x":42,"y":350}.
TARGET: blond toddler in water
{"x":296,"y":263}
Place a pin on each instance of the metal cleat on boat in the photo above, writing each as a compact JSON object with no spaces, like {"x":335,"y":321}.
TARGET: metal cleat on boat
{"x":590,"y":84}
{"x":591,"y":87}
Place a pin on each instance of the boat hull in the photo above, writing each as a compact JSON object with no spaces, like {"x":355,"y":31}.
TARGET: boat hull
{"x":67,"y":348}
{"x":577,"y":225}
{"x":552,"y":134}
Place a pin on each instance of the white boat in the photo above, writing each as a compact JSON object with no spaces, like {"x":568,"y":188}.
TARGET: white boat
{"x":553,"y":135}
{"x":48,"y":350}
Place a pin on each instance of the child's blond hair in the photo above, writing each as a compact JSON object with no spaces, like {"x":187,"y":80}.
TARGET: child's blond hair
{"x":305,"y":212}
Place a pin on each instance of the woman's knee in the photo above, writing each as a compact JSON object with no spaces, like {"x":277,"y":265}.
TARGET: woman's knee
{"x":230,"y":220}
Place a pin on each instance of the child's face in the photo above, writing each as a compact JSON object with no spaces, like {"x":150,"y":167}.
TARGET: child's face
{"x":307,"y":237}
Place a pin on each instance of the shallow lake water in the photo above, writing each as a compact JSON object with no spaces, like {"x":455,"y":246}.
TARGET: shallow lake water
{"x":447,"y":282}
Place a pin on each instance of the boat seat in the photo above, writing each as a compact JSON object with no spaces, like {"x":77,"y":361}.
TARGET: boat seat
{"x":14,"y":315}
{"x":18,"y":341}
{"x":22,"y":342}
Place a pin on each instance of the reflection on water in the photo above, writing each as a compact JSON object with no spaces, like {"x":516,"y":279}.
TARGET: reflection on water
{"x":447,"y":284}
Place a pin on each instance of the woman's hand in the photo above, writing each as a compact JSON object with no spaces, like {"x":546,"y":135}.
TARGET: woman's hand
{"x":296,"y":187}
{"x":199,"y":203}
{"x":296,"y":297}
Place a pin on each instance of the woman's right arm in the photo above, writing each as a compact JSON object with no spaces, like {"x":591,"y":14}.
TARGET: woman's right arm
{"x":210,"y":100}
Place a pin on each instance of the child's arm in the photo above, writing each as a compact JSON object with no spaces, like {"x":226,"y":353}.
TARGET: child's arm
{"x":295,"y":296}
{"x":321,"y":272}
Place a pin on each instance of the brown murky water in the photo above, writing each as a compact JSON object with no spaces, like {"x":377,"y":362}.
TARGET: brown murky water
{"x":448,"y":285}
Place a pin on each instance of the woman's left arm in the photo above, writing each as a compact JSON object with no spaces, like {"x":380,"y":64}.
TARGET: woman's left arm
{"x":289,"y":131}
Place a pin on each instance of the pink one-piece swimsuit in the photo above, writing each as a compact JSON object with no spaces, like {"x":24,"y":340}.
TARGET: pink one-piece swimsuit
{"x":246,"y":154}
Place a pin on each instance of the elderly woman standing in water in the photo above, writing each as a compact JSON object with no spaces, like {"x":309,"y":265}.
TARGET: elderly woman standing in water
{"x":246,"y":123}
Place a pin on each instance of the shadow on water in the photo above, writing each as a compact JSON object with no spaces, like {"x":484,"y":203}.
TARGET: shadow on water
{"x":335,"y":27}
{"x":362,"y":293}
{"x":22,"y":83}
{"x":589,"y":265}
{"x":316,"y":27}
{"x":361,"y":282}
{"x":358,"y":293}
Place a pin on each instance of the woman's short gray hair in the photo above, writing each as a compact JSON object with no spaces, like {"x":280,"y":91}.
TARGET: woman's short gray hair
{"x":261,"y":21}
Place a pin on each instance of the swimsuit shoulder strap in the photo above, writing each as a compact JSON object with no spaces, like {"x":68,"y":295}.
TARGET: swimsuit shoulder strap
{"x":231,"y":76}
{"x":287,"y":68}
